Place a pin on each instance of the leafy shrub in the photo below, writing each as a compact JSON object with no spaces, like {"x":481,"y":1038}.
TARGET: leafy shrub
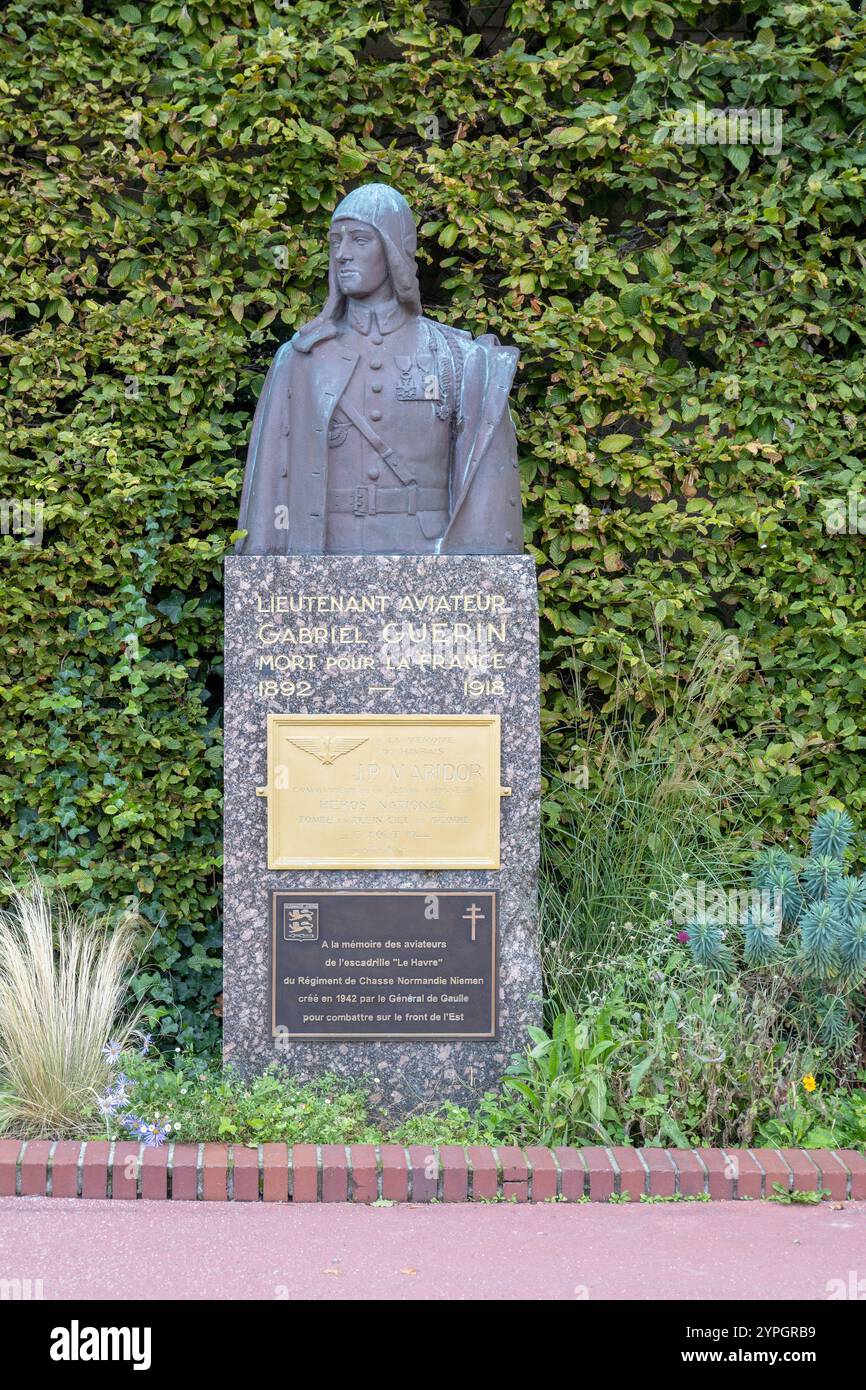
{"x":689,"y":405}
{"x":807,"y":926}
{"x":563,"y":1084}
{"x":659,"y":1058}
{"x":832,"y":1120}
{"x":192,"y":1100}
{"x":184,"y":1097}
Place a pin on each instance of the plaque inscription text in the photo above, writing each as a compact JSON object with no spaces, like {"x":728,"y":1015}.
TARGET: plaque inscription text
{"x":405,"y":964}
{"x":361,"y":791}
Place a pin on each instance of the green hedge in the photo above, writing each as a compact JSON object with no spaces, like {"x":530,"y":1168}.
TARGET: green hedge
{"x":697,"y":385}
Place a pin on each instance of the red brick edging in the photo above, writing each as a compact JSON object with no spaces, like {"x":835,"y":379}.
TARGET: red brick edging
{"x":388,"y":1172}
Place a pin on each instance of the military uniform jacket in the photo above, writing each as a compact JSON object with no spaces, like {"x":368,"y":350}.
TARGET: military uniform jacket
{"x":389,"y":435}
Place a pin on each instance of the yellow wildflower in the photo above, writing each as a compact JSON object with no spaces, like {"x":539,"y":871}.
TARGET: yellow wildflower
{"x":809,"y":1083}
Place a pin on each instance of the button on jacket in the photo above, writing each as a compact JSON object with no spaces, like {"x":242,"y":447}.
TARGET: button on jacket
{"x":368,"y":507}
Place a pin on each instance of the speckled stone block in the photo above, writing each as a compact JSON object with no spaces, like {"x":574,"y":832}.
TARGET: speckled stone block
{"x":405,"y":1074}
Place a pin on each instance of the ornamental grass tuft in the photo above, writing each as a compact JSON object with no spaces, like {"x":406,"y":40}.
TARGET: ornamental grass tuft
{"x":659,"y":807}
{"x":63,"y":986}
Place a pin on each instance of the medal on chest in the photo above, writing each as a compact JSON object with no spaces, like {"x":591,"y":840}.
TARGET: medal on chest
{"x":418,"y":379}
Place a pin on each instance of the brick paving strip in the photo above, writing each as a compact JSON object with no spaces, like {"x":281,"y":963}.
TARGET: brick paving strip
{"x":364,"y":1173}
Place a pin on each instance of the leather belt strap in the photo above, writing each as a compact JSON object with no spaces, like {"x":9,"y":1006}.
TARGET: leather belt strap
{"x":371,"y":500}
{"x":378,"y":444}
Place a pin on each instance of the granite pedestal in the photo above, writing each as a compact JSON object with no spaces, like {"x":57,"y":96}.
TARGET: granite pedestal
{"x":369,"y":635}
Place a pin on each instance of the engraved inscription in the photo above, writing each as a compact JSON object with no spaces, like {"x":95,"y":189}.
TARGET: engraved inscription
{"x":303,"y":638}
{"x":383,"y":791}
{"x":408,"y":964}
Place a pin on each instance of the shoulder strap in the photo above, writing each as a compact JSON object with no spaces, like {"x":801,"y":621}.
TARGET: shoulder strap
{"x":386,"y":454}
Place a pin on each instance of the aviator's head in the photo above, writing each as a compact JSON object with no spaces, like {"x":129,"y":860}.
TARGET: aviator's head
{"x":373,"y":239}
{"x":372,"y":254}
{"x":358,"y":258}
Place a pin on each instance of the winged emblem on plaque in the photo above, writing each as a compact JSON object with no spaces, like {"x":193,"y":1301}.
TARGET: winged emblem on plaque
{"x":328,"y":749}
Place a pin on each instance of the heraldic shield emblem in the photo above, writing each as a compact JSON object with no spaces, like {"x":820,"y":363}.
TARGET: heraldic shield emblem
{"x":301,"y":922}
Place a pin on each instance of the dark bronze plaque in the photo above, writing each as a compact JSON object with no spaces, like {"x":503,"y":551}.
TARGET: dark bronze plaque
{"x":383,"y":965}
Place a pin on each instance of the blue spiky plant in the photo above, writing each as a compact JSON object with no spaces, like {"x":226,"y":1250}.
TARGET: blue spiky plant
{"x":761,"y":932}
{"x":832,"y":834}
{"x":806,"y":922}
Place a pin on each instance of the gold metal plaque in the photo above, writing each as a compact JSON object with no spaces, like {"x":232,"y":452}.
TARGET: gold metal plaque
{"x":383,"y":791}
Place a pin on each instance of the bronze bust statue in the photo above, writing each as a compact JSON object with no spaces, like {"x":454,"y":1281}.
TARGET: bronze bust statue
{"x":380,"y":431}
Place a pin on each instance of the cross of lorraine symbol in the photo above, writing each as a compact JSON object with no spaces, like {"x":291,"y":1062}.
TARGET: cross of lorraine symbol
{"x":473,"y":915}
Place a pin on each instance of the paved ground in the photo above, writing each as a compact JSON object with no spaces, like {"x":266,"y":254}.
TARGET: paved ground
{"x":175,"y":1250}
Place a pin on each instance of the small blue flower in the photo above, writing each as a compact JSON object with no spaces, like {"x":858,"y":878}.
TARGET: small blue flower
{"x":153,"y":1135}
{"x":146,"y":1041}
{"x":120,"y":1093}
{"x":107,"y":1104}
{"x":132,"y":1123}
{"x":112,"y":1051}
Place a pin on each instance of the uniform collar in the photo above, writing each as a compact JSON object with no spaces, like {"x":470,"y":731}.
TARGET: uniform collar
{"x":386,"y":317}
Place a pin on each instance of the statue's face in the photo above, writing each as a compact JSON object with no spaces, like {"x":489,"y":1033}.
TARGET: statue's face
{"x":359,"y":257}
